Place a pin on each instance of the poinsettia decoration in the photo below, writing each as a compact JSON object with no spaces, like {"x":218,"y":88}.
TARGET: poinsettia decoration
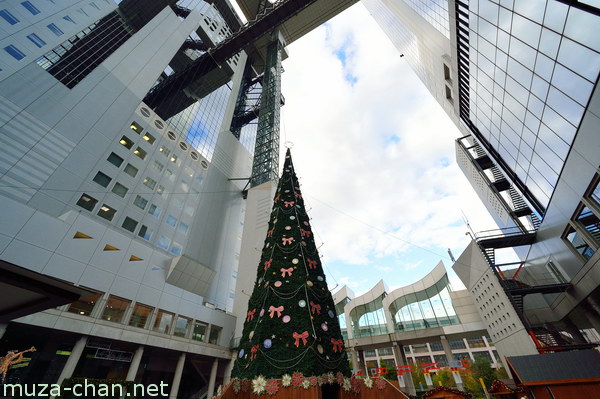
{"x":380,"y":383}
{"x":297,"y":379}
{"x":272,"y":387}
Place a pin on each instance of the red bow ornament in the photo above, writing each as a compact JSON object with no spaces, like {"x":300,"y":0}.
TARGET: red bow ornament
{"x":278,"y":310}
{"x":312,"y":263}
{"x":299,"y":337}
{"x":250,"y":315}
{"x":289,"y":271}
{"x":286,"y":241}
{"x":268,"y":263}
{"x":270,"y":232}
{"x":276,"y":198}
{"x":306,"y":233}
{"x":253,"y":351}
{"x":298,"y":195}
{"x":287,"y":204}
{"x":338,"y":344}
{"x":315,"y":308}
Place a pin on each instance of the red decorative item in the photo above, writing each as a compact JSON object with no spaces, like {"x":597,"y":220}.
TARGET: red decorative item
{"x":297,"y":379}
{"x":298,"y":195}
{"x":305,"y":233}
{"x":380,"y":383}
{"x":355,"y":385}
{"x":253,"y":351}
{"x":289,"y":271}
{"x":338,"y":344}
{"x":268,"y":263}
{"x":339,"y":378}
{"x":315,"y":308}
{"x":286,"y":241}
{"x":299,"y":337}
{"x":270,"y":232}
{"x":251,"y":315}
{"x":276,"y":198}
{"x":272,"y":387}
{"x":273,"y":310}
{"x":312,"y":264}
{"x":313,"y":381}
{"x":287,"y":204}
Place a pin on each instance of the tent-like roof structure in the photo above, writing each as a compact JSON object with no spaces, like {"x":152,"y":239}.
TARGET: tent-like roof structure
{"x":583,"y":366}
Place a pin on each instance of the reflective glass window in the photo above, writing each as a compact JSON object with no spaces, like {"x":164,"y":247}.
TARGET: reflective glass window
{"x":115,"y":309}
{"x":163,"y":321}
{"x":141,"y":315}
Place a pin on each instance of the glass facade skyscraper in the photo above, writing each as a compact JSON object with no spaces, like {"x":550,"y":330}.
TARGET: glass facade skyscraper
{"x":519,"y":79}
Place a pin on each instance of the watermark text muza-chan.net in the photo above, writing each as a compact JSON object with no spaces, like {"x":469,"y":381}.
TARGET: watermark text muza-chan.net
{"x":84,"y":390}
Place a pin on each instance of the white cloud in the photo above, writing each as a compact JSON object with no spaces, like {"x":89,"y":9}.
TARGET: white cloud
{"x":375,"y":156}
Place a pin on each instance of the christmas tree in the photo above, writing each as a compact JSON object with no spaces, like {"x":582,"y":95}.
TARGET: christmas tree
{"x":291,"y":325}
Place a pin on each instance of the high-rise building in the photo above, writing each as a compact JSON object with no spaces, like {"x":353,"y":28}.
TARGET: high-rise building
{"x":127,"y":152}
{"x":519,"y":79}
{"x":131,"y":203}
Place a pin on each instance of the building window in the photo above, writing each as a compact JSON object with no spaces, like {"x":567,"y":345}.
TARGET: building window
{"x":577,"y":242}
{"x":163,"y":322}
{"x":70,"y":62}
{"x":131,"y":170}
{"x":150,"y":183}
{"x":86,"y":202}
{"x":85,"y":305}
{"x":126,"y":142}
{"x":107,"y":212}
{"x":140,"y":202}
{"x":199,"y":332}
{"x":55,"y":29}
{"x":181,"y":327}
{"x":145,"y":233}
{"x":30,"y":7}
{"x":160,"y":190}
{"x":8,"y":17}
{"x":154,"y":211}
{"x":136,"y":127}
{"x":149,"y":138}
{"x":158,"y":166}
{"x":476,"y":342}
{"x":120,"y":190}
{"x":163,"y":242}
{"x":215,"y":332}
{"x":115,"y":159}
{"x":183,"y":227}
{"x":446,"y":72}
{"x":102,"y":179}
{"x":164,"y":150}
{"x":457,"y":344}
{"x":436,"y":346}
{"x":176,"y":249}
{"x":141,"y":315}
{"x":171,"y":221}
{"x":115,"y":309}
{"x":129,"y":224}
{"x":35,"y":39}
{"x":15,"y":52}
{"x":140,"y":153}
{"x":173,"y":159}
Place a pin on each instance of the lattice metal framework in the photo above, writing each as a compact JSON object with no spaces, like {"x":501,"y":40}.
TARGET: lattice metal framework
{"x":266,"y":152}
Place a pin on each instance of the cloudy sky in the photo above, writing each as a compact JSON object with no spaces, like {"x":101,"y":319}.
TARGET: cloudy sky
{"x":375,"y":156}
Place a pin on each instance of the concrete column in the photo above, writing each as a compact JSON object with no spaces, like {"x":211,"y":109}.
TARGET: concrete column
{"x":447,"y":349}
{"x":72,"y":361}
{"x":450,"y":357}
{"x":177,"y":377}
{"x":213,"y":378}
{"x":406,"y":377}
{"x":3,"y":327}
{"x":362,"y":362}
{"x":229,"y":369}
{"x":355,"y":363}
{"x":135,"y":364}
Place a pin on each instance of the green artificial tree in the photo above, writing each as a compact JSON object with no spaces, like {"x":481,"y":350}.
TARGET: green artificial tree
{"x":291,"y":324}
